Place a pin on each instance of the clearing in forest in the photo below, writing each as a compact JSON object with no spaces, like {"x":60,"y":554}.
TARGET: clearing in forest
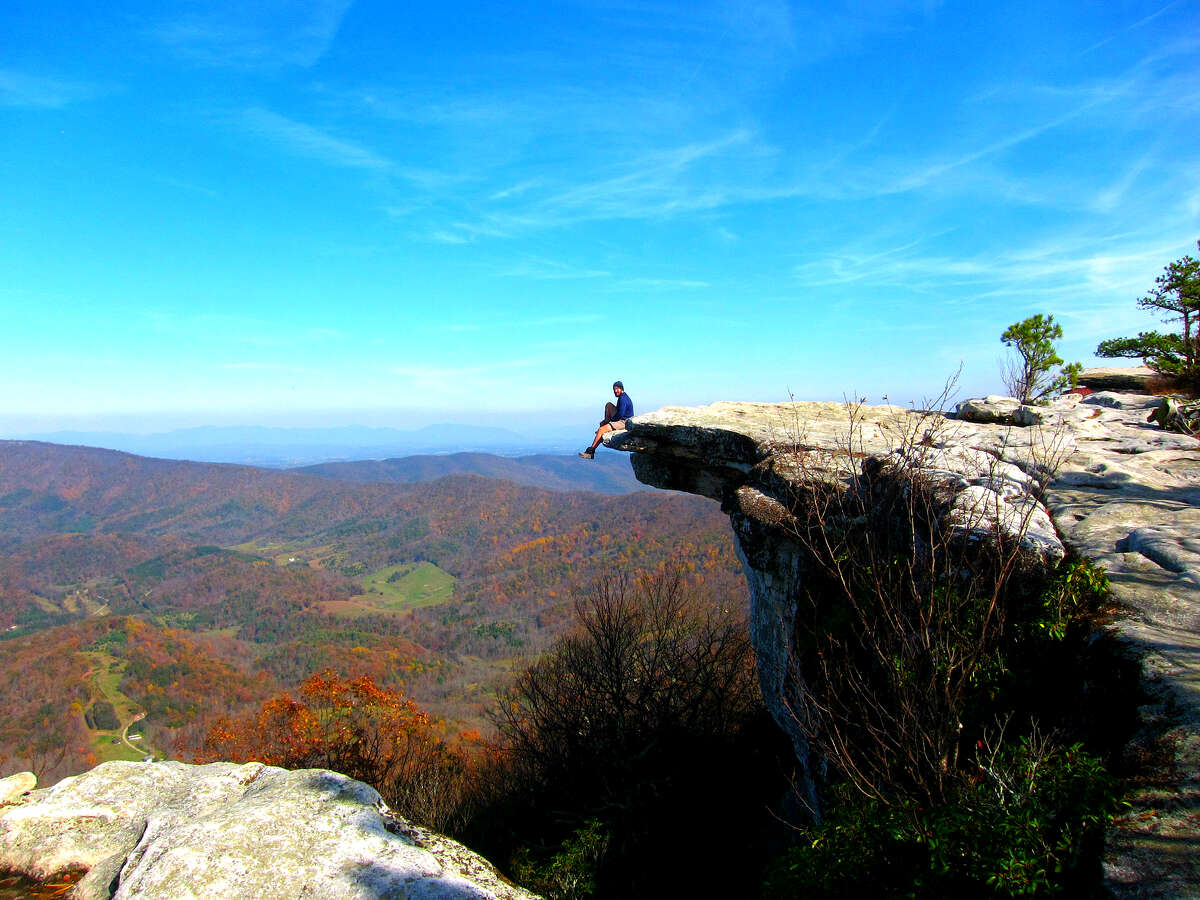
{"x":409,"y":586}
{"x":398,"y":589}
{"x":106,"y":673}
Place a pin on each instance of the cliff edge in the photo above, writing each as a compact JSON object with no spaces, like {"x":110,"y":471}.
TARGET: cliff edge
{"x":1124,"y":493}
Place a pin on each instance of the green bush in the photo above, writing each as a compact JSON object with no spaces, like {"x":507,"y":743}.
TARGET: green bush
{"x":571,"y":872}
{"x":1017,"y":817}
{"x":1025,"y":822}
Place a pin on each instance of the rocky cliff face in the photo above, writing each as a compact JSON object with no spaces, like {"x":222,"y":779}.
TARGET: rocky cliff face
{"x":165,"y":831}
{"x":1126,"y":494}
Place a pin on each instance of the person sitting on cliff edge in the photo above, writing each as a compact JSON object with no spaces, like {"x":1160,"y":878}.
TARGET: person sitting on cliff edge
{"x":615,"y":415}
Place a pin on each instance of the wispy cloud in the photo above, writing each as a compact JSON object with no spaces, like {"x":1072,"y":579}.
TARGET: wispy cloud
{"x":1111,"y":197}
{"x":542,"y":269}
{"x":936,"y":171}
{"x":656,"y":184}
{"x":305,"y":140}
{"x":1145,"y":20}
{"x":659,"y":284}
{"x":1001,"y":145}
{"x":20,"y":89}
{"x":740,"y":167}
{"x":1089,"y":278}
{"x":184,"y":185}
{"x":516,"y":190}
{"x":467,"y":232}
{"x":265,"y":34}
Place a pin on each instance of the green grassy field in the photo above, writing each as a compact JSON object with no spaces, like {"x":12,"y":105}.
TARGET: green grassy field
{"x":107,"y":751}
{"x":106,"y":675}
{"x":407,"y":586}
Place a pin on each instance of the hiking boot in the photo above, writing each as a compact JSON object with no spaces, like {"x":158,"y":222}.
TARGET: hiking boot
{"x":589,"y":453}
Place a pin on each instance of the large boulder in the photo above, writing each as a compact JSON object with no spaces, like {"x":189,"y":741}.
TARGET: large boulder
{"x":990,"y":409}
{"x":995,"y":410}
{"x":169,"y":831}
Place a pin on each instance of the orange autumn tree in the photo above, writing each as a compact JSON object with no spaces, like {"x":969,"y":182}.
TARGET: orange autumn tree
{"x":355,"y":727}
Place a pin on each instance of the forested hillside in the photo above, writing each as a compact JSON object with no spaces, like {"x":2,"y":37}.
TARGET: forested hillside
{"x":184,"y":591}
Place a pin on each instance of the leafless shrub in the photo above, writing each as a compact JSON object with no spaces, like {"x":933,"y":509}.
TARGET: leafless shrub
{"x":905,"y":598}
{"x":649,"y":662}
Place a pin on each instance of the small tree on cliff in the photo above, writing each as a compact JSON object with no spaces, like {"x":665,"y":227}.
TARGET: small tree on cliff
{"x":1032,"y":377}
{"x":1176,"y":293}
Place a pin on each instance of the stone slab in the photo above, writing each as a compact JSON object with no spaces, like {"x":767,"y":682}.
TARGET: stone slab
{"x":171,"y":831}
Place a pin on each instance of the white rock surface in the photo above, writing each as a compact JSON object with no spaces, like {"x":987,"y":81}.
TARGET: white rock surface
{"x":170,"y":831}
{"x":14,"y":786}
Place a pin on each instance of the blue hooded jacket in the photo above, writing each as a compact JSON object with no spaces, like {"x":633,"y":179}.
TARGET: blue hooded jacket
{"x":624,"y":406}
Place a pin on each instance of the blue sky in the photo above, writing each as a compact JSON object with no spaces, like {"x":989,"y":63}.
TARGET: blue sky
{"x":333,"y":212}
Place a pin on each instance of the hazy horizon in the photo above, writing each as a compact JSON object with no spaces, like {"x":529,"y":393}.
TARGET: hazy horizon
{"x":285,"y":447}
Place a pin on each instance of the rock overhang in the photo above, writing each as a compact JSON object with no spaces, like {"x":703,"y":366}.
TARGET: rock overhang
{"x":755,"y":458}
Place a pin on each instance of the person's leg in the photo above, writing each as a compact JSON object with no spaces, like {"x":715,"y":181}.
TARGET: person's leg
{"x":590,"y":452}
{"x":600,"y":432}
{"x":610,"y":411}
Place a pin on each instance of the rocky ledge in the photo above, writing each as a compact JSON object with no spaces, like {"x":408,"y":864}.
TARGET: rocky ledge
{"x":1136,"y":379}
{"x":168,"y":831}
{"x":1124,"y":493}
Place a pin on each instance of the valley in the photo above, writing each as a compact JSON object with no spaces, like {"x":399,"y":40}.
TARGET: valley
{"x":183,"y":592}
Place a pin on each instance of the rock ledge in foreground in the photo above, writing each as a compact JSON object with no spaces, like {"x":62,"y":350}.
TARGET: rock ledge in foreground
{"x":168,"y":831}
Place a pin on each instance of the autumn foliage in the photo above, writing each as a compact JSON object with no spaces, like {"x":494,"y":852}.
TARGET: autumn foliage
{"x":355,"y":727}
{"x":43,"y":692}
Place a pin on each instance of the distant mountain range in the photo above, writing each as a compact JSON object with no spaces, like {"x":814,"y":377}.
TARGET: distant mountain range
{"x":609,"y":473}
{"x":293,"y":447}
